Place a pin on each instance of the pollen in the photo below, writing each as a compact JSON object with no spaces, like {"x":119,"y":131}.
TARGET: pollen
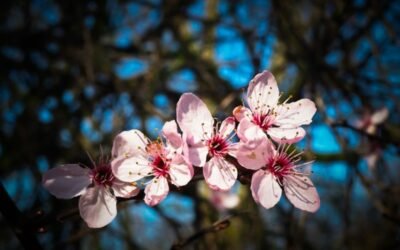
{"x":252,"y":156}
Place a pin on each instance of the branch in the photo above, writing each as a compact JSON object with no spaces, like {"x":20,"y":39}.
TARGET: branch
{"x":217,"y":226}
{"x":372,"y":137}
{"x":17,"y":221}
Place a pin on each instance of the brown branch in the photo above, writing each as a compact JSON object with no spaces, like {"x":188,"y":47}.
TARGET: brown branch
{"x":217,"y":226}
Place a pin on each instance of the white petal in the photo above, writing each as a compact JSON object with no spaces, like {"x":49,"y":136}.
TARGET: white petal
{"x":230,"y":200}
{"x":194,"y":117}
{"x":286,"y":135}
{"x":233,"y":149}
{"x":219,"y":174}
{"x":249,"y":132}
{"x":301,"y":193}
{"x":98,"y":207}
{"x":223,"y":200}
{"x":372,"y":159}
{"x":371,"y":129}
{"x":124,"y":189}
{"x":170,"y":132}
{"x":295,"y":114}
{"x":129,"y":143}
{"x":195,"y":152}
{"x":180,"y":171}
{"x":380,"y":116}
{"x":227,"y":127}
{"x":156,"y":191}
{"x":254,"y":156}
{"x":263,"y":92}
{"x":265,"y":189}
{"x":131,"y":169}
{"x":67,"y":181}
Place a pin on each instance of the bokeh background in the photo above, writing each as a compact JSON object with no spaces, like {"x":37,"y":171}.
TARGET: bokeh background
{"x":73,"y":74}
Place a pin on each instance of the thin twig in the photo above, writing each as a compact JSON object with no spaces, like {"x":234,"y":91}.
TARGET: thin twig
{"x":217,"y":226}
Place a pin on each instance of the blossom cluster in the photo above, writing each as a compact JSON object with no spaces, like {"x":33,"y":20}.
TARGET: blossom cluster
{"x":257,"y":137}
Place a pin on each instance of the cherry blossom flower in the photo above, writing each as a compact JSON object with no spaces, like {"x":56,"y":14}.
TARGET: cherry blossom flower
{"x":223,"y":200}
{"x":370,"y":121}
{"x":374,"y":153}
{"x":277,"y":169}
{"x":220,"y":199}
{"x":97,"y":188}
{"x":207,"y":146}
{"x":282,"y":122}
{"x":136,"y":158}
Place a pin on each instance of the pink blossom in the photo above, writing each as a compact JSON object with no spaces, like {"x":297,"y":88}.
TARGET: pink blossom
{"x":136,"y":157}
{"x":207,"y":146}
{"x":223,"y":200}
{"x":373,"y":155}
{"x":277,"y":169}
{"x":370,"y":121}
{"x":282,"y":122}
{"x":96,"y":187}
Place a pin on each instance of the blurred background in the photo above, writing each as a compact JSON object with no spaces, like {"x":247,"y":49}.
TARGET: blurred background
{"x":73,"y":74}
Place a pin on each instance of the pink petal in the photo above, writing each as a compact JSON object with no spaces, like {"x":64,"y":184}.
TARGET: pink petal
{"x":249,"y":132}
{"x":301,"y":192}
{"x":263,"y":92}
{"x":170,"y":132}
{"x":219,"y":174}
{"x":233,"y":149}
{"x":129,"y":143}
{"x":196,"y":152}
{"x":254,"y":156}
{"x":380,"y":116}
{"x":67,"y":181}
{"x":156,"y":191}
{"x":286,"y":135}
{"x":180,"y":171}
{"x":265,"y":189}
{"x":98,"y":207}
{"x":241,"y":113}
{"x":124,"y":189}
{"x":131,"y":169}
{"x":372,"y":159}
{"x":295,"y":114}
{"x":227,"y":127}
{"x":371,"y":129}
{"x":194,"y":117}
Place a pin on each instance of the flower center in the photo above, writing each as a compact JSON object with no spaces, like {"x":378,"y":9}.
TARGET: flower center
{"x":160,"y":166}
{"x":217,"y":146}
{"x":280,"y":166}
{"x":102,"y":175}
{"x":264,"y":121}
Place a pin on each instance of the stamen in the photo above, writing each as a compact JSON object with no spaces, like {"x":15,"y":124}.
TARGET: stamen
{"x":287,"y":99}
{"x":206,"y":136}
{"x":292,"y":157}
{"x":91,"y":159}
